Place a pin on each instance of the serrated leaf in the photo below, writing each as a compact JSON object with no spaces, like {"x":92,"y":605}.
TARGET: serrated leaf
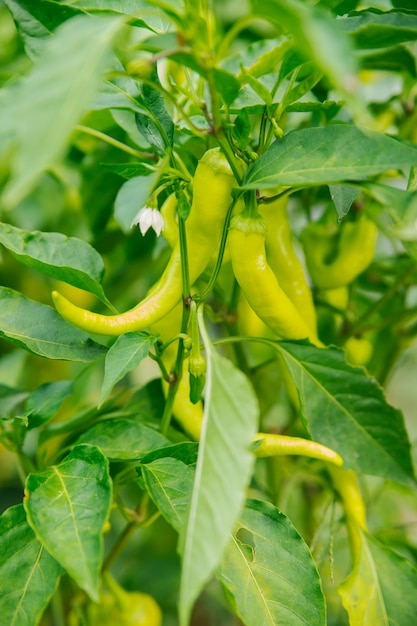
{"x":169,"y":483}
{"x":132,"y":197}
{"x":381,"y":588}
{"x":28,"y":574}
{"x":335,"y":153}
{"x":44,"y":402}
{"x":269,"y":572}
{"x":124,"y":355}
{"x":55,"y":93}
{"x":67,"y":506}
{"x":39,"y":329}
{"x":230,"y":423}
{"x":36,"y":21}
{"x":65,"y":258}
{"x":123,"y":439}
{"x":345,"y":409}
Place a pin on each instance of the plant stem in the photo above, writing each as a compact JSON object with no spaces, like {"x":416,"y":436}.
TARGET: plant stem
{"x":114,"y":142}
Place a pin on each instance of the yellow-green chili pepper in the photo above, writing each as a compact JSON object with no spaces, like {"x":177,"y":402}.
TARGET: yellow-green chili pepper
{"x":259,"y":283}
{"x":213,"y":183}
{"x":284,"y":261}
{"x":335,"y":258}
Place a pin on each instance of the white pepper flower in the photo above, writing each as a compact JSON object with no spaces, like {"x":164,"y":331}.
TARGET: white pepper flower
{"x":149,"y":218}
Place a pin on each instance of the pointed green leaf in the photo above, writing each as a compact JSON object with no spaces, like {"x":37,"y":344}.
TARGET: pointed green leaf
{"x":326,"y":155}
{"x":123,"y":439}
{"x":44,"y":402}
{"x":39,"y":329}
{"x":169,"y":482}
{"x":55,"y":93}
{"x":28,"y":574}
{"x":345,"y":409}
{"x":65,"y":258}
{"x":185,"y":451}
{"x":381,"y":588}
{"x":269,"y":572}
{"x":67,"y":506}
{"x":124,"y":355}
{"x":223,"y":470}
{"x":343,"y":196}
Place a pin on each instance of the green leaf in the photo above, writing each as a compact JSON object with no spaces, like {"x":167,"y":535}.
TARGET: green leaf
{"x":131,"y":197}
{"x":44,"y":402}
{"x":335,"y":153}
{"x":223,"y":470}
{"x":124,"y":355}
{"x":377,"y":29}
{"x":146,"y":16}
{"x":36,"y":21}
{"x":10,"y":399}
{"x":123,"y":439}
{"x":345,"y":410}
{"x":28,"y":574}
{"x":39,"y":329}
{"x":127,"y":170}
{"x":381,"y":588}
{"x":67,"y":506}
{"x":55,"y":94}
{"x":400,"y":212}
{"x":156,"y":124}
{"x":343,"y":197}
{"x":269,"y":572}
{"x":318,"y":37}
{"x":65,"y":258}
{"x":169,"y":483}
{"x":185,"y":451}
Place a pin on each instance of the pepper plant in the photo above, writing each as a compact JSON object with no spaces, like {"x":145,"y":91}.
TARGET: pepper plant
{"x":208,"y":267}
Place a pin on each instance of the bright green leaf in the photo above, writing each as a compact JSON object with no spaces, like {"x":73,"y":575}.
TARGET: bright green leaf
{"x":269,"y":572}
{"x":39,"y":329}
{"x":67,"y":506}
{"x":65,"y":258}
{"x":55,"y":93}
{"x":335,"y":153}
{"x":123,"y":439}
{"x":345,"y":410}
{"x":223,"y":470}
{"x":381,"y":588}
{"x":28,"y":574}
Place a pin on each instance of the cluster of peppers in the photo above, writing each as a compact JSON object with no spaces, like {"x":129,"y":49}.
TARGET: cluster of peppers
{"x":274,"y":289}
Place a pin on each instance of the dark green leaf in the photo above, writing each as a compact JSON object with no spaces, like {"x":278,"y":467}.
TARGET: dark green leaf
{"x":36,"y":21}
{"x":345,"y":410}
{"x":124,"y":355}
{"x":269,"y":572}
{"x":169,"y":482}
{"x":123,"y":439}
{"x":223,"y":469}
{"x":10,"y":399}
{"x":328,"y":155}
{"x":156,"y":125}
{"x":67,"y":506}
{"x":44,"y":402}
{"x":186,"y":452}
{"x":65,"y":258}
{"x":39,"y":329}
{"x":28,"y":574}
